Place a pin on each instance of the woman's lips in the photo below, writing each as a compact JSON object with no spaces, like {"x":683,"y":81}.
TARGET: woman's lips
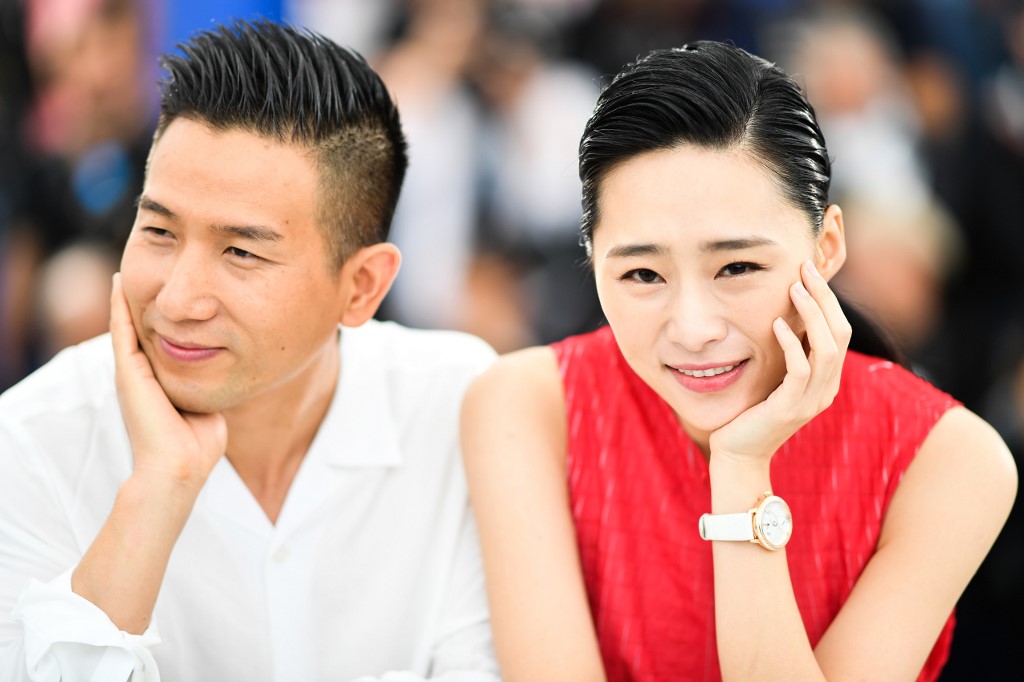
{"x":715,"y":377}
{"x":187,"y":352}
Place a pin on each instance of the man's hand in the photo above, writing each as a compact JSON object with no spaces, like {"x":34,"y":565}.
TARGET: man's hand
{"x":169,"y":446}
{"x":123,"y":569}
{"x":811,"y":381}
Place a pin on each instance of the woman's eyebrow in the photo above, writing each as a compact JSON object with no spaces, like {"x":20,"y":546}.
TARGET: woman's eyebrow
{"x":631,"y":250}
{"x":737,"y":244}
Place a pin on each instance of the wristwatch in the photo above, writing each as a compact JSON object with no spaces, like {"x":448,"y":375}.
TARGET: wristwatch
{"x":769,"y":524}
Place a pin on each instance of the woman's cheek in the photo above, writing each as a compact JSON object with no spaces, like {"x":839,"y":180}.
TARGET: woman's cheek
{"x":795,"y":322}
{"x":775,"y":303}
{"x":784,"y":306}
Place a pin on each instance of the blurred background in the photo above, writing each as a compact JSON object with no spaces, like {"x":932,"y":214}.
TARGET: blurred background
{"x":921,"y":102}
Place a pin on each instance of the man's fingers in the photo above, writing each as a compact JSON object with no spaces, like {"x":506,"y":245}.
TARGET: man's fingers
{"x":122,"y":332}
{"x":132,"y":368}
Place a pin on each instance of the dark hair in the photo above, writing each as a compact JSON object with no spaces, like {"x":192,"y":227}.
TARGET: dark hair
{"x":715,"y":96}
{"x":297,"y":86}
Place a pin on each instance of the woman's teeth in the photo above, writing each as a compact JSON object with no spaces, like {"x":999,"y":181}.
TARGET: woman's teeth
{"x":707,"y":372}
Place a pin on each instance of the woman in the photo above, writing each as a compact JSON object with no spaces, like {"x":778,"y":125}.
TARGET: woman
{"x":723,"y":377}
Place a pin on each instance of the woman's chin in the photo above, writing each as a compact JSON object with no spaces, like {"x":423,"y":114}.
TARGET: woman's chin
{"x":700,"y":424}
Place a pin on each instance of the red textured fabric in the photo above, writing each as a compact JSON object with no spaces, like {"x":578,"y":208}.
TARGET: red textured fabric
{"x":638,"y":485}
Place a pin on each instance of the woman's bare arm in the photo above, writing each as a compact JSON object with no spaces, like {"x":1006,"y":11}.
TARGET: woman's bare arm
{"x":514,"y":443}
{"x":946,"y":513}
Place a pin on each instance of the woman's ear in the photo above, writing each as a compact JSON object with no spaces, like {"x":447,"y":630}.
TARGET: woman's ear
{"x":831,"y":243}
{"x":368,"y":274}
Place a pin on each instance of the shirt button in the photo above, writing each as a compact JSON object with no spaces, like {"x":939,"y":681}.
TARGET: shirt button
{"x":280,"y":555}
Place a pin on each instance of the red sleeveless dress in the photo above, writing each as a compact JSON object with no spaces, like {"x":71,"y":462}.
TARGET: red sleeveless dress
{"x":638,"y":485}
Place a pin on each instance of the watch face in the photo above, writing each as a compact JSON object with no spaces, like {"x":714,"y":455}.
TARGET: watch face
{"x":775,"y":522}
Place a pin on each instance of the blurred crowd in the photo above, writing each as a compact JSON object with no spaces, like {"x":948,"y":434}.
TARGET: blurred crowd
{"x":921,"y":102}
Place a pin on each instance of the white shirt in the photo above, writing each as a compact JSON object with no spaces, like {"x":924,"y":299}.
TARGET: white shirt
{"x":373,"y":565}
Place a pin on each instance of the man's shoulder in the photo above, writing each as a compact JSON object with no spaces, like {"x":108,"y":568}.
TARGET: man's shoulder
{"x":78,"y":377}
{"x":417,"y":350}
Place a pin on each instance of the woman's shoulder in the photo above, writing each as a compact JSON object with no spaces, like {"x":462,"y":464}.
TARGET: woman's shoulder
{"x":586,"y":350}
{"x":515,"y":411}
{"x":592,"y":362}
{"x":528,"y":369}
{"x":877,"y":382}
{"x":543,"y":374}
{"x":519,"y":385}
{"x":883,"y":412}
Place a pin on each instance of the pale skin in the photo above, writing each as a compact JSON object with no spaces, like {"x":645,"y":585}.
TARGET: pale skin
{"x":216,"y":352}
{"x":689,"y":275}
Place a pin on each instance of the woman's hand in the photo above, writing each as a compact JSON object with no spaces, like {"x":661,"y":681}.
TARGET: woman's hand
{"x":811,"y":381}
{"x":170,"y":447}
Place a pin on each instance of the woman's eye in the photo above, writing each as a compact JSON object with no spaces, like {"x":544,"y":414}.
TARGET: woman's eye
{"x":157,"y":231}
{"x":737,"y":269}
{"x":643,"y":276}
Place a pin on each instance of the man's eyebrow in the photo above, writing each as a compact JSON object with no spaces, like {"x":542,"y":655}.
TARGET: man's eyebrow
{"x":631,"y":250}
{"x":256,"y":233}
{"x":737,"y":244}
{"x":147,"y":204}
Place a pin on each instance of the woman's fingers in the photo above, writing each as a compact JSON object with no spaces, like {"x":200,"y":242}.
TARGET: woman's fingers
{"x":798,"y":368}
{"x":838,"y":326}
{"x":828,"y":303}
{"x":812,"y":371}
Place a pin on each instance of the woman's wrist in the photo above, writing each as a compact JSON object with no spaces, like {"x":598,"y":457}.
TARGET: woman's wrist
{"x":737,"y":483}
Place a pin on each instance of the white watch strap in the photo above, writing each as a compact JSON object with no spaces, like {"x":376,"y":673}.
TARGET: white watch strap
{"x":727,"y":526}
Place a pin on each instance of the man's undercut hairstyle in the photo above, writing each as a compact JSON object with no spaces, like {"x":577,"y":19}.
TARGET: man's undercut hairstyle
{"x":296,"y":86}
{"x":714,"y":96}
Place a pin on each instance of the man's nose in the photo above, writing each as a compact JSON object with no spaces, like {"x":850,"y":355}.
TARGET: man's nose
{"x":187,"y":292}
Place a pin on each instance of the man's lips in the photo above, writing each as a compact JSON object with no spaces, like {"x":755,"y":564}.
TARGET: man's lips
{"x":186,"y":351}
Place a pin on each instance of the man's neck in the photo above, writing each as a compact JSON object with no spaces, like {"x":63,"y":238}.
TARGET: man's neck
{"x":268,"y":436}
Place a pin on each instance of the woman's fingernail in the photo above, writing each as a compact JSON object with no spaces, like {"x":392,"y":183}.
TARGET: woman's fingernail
{"x":800,"y":289}
{"x":811,"y":269}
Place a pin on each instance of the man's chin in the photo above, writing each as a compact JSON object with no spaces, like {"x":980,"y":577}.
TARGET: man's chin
{"x":196,"y":400}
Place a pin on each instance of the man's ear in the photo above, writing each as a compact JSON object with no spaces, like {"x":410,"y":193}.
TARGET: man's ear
{"x":830,"y":249}
{"x":368,"y":274}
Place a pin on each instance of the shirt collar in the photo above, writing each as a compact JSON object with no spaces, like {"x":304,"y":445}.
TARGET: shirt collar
{"x":360,"y":429}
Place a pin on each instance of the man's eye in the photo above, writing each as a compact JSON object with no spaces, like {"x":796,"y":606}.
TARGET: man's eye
{"x":737,"y":269}
{"x":643,"y":276}
{"x":241,"y":253}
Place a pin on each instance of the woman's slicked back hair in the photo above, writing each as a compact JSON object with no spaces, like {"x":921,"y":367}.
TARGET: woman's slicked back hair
{"x":714,"y":96}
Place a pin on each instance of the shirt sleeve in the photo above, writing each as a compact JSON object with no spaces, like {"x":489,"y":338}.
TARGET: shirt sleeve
{"x":47,"y":632}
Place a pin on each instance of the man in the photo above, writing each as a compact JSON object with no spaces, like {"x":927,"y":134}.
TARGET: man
{"x":240,"y":489}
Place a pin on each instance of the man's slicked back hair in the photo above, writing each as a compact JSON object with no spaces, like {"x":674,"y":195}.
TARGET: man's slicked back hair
{"x":296,"y":86}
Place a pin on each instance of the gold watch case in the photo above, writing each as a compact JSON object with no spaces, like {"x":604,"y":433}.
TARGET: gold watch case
{"x":772,"y":521}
